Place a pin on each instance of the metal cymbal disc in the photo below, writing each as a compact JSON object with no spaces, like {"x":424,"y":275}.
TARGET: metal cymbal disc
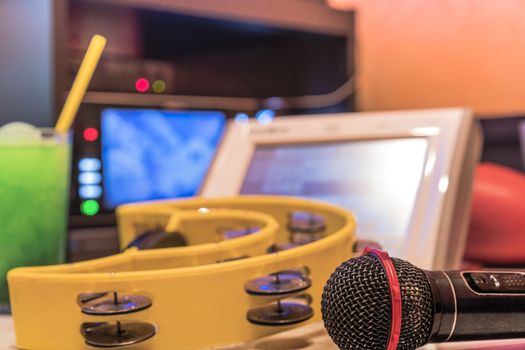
{"x":281,"y":247}
{"x":302,"y":238}
{"x":280,"y":314}
{"x":87,"y":297}
{"x":121,"y":333}
{"x":277,"y":284}
{"x":116,"y":305}
{"x":306,"y":222}
{"x":361,"y":244}
{"x":235,"y":233}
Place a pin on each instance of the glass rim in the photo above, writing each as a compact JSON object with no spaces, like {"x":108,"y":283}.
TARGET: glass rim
{"x":48,"y":136}
{"x":48,"y":133}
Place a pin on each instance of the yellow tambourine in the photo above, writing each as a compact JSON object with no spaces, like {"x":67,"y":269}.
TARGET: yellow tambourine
{"x":194,"y":274}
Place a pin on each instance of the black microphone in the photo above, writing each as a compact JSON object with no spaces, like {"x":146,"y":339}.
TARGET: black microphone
{"x":377,"y":302}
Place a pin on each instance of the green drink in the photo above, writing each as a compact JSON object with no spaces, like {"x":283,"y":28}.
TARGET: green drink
{"x":34,"y":184}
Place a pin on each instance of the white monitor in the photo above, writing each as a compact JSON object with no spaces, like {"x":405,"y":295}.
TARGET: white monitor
{"x":407,"y":175}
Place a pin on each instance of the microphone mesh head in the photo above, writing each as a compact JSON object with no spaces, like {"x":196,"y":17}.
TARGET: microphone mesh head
{"x":357,"y":311}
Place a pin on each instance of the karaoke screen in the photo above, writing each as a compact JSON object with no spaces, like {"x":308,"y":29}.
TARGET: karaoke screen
{"x":378,"y":179}
{"x":154,"y":154}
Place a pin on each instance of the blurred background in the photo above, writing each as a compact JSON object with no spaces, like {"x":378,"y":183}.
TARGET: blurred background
{"x":247,"y":59}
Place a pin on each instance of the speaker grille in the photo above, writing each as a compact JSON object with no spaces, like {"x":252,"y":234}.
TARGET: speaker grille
{"x":356,"y":305}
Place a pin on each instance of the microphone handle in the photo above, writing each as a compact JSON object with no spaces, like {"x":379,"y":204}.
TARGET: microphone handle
{"x":477,"y":305}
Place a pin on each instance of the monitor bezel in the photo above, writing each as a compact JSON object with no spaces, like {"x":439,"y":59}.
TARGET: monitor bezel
{"x":430,"y":241}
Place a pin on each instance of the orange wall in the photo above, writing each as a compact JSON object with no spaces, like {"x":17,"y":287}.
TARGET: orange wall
{"x":430,"y":53}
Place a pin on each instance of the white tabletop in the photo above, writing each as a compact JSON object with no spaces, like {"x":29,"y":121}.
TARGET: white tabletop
{"x":309,"y":337}
{"x":7,"y":334}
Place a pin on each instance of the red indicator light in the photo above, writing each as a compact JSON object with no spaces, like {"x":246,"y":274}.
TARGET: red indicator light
{"x":142,"y":85}
{"x":90,"y":134}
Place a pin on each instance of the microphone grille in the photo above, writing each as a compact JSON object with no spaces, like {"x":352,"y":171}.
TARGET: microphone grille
{"x":357,"y":311}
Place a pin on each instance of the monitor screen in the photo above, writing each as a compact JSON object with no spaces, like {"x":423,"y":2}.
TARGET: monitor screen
{"x":376,"y":179}
{"x":156,"y":154}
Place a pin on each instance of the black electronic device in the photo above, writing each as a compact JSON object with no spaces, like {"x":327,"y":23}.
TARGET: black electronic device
{"x":504,"y":141}
{"x":124,"y":154}
{"x":377,"y":302}
{"x":168,"y":60}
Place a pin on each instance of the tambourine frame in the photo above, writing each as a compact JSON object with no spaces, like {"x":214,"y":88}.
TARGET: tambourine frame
{"x":193,"y":307}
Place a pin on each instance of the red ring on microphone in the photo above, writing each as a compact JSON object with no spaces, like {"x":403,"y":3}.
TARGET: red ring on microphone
{"x":395,"y":295}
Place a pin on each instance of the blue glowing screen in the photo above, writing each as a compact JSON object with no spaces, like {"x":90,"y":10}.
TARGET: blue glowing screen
{"x":154,"y":154}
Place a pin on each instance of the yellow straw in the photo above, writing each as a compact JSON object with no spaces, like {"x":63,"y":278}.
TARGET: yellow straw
{"x":76,"y":94}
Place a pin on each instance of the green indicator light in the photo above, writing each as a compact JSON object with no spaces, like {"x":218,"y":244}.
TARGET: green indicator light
{"x":90,"y":207}
{"x":159,"y":86}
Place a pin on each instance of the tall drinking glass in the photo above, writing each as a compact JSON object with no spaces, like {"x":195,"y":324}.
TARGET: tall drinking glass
{"x":34,"y":184}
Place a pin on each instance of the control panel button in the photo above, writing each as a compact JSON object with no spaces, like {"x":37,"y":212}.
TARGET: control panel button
{"x":496,"y":282}
{"x":89,"y":164}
